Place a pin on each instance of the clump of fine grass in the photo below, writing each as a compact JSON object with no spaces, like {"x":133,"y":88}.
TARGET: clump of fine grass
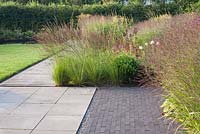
{"x":176,"y":61}
{"x":95,"y":68}
{"x":88,"y":68}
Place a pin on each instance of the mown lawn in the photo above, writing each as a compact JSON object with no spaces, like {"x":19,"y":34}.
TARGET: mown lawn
{"x":15,"y":57}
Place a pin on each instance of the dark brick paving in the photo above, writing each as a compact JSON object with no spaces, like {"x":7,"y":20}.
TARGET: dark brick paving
{"x":125,"y":111}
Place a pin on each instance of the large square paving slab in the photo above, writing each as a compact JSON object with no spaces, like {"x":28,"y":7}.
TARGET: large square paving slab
{"x":68,"y":109}
{"x":19,"y":122}
{"x":32,"y":109}
{"x":60,"y":123}
{"x":43,"y":110}
{"x":53,"y":132}
{"x":5,"y":131}
{"x":46,"y":95}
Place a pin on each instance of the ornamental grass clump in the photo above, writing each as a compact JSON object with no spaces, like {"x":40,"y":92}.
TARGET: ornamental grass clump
{"x":144,"y":32}
{"x":177,"y":63}
{"x":103,"y":31}
{"x":86,"y":54}
{"x":89,"y":68}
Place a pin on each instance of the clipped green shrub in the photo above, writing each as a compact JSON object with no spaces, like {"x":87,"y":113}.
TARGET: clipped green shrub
{"x":102,"y":9}
{"x":15,"y":35}
{"x":34,"y":17}
{"x":160,"y":9}
{"x":136,"y":12}
{"x":127,"y":67}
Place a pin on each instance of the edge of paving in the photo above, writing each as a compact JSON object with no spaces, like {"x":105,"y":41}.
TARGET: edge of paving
{"x":96,"y":88}
{"x":21,"y":70}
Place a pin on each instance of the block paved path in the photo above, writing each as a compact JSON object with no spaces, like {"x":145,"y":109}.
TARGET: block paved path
{"x":125,"y":111}
{"x":30,"y":104}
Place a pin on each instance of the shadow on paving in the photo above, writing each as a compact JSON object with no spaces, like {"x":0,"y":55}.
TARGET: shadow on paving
{"x":121,"y":110}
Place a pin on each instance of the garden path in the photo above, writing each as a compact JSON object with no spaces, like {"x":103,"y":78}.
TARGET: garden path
{"x":30,"y":104}
{"x":122,"y":110}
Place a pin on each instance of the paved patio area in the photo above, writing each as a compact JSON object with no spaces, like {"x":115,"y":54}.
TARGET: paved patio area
{"x":30,"y":104}
{"x":42,"y":110}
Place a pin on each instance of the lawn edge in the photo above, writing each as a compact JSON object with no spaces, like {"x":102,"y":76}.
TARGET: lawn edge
{"x":21,"y":70}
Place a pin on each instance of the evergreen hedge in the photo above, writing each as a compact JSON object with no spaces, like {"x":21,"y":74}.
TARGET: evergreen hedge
{"x":33,"y":17}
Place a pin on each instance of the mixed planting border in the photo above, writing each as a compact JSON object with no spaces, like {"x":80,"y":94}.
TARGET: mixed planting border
{"x":110,"y":50}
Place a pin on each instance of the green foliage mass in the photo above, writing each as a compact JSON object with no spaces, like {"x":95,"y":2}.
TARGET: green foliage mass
{"x":33,"y":17}
{"x":95,"y":68}
{"x":127,"y":67}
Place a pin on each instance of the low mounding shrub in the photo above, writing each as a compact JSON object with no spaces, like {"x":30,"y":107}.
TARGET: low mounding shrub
{"x":176,"y":61}
{"x":127,"y":67}
{"x":15,"y":36}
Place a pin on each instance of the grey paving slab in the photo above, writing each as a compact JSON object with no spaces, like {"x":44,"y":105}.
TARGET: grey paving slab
{"x":4,"y":131}
{"x":20,"y":90}
{"x":68,"y":109}
{"x":76,"y":99}
{"x":60,"y":123}
{"x":12,"y":97}
{"x":37,"y":75}
{"x":81,"y":90}
{"x":47,"y":95}
{"x":3,"y":90}
{"x":121,"y":110}
{"x":7,"y":108}
{"x":32,"y":109}
{"x":53,"y":132}
{"x":19,"y":122}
